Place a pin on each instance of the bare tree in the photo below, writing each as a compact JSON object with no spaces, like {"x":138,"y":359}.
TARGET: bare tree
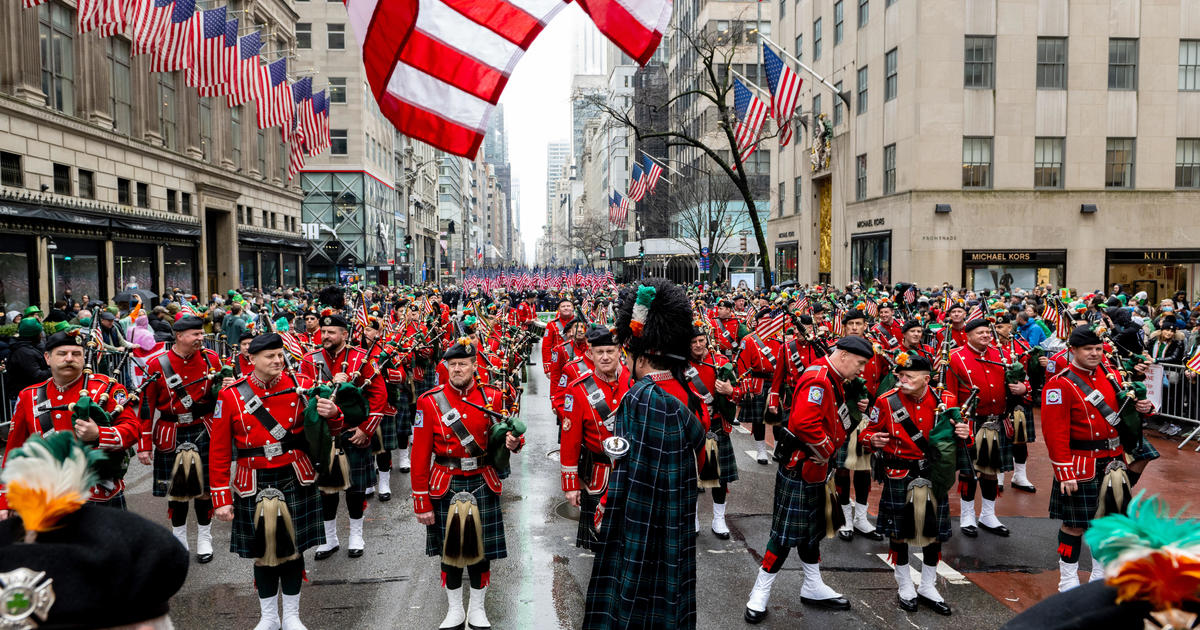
{"x":589,"y":234}
{"x":701,"y":214}
{"x":714,"y":53}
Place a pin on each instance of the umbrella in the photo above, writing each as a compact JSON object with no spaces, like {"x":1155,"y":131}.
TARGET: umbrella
{"x":131,"y":295}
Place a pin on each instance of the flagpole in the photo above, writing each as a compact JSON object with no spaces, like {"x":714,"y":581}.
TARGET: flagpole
{"x":805,"y":67}
{"x":662,"y":164}
{"x":752,"y":84}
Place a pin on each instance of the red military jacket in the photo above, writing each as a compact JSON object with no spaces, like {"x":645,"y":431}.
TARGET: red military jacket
{"x":563,"y":354}
{"x":816,"y":420}
{"x":923,"y":413}
{"x":958,"y":336}
{"x":233,"y":427}
{"x":140,"y":361}
{"x":1067,"y":417}
{"x":756,"y":363}
{"x":525,"y":312}
{"x":890,"y":335}
{"x":241,"y":365}
{"x":311,"y":338}
{"x":568,"y":374}
{"x":583,"y":428}
{"x":394,"y":375}
{"x":160,"y":396}
{"x":706,"y":369}
{"x":1058,"y":362}
{"x":121,"y":435}
{"x":356,"y":361}
{"x":432,"y":437}
{"x":966,"y":371}
{"x":552,"y":339}
{"x":725,"y":333}
{"x":796,"y":356}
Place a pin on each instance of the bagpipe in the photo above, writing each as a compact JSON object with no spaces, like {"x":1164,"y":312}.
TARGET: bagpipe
{"x":1129,"y":391}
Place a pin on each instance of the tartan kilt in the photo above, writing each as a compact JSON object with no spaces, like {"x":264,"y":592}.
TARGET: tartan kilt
{"x":891,"y":509}
{"x":1006,"y":449}
{"x":388,"y":433}
{"x":362,"y":467}
{"x":116,"y":501}
{"x":404,"y":416}
{"x":726,"y":458}
{"x":164,"y":461}
{"x":1079,"y":509}
{"x":1030,"y":424}
{"x":753,"y":408}
{"x":584,"y":538}
{"x":1144,"y":452}
{"x":490,"y":516}
{"x":304,"y":504}
{"x":799,"y":514}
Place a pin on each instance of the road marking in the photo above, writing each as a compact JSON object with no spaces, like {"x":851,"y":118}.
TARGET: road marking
{"x":754,"y":454}
{"x":946,"y":571}
{"x":741,"y":428}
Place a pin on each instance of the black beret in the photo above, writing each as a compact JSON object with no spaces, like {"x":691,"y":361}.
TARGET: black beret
{"x":246,"y":334}
{"x":598,"y":335}
{"x":974,"y":323}
{"x":853,"y":315}
{"x":334,"y":320}
{"x":915,"y":363}
{"x":1004,"y":319}
{"x":1168,"y":322}
{"x":98,"y":541}
{"x":268,"y":341}
{"x":911,"y":324}
{"x":956,"y":305}
{"x":460,"y":350}
{"x":856,"y":345}
{"x":563,"y":299}
{"x":1083,"y":336}
{"x":806,"y":320}
{"x":65,"y":338}
{"x":188,"y":322}
{"x":311,"y":313}
{"x":726,"y":302}
{"x":1091,"y":605}
{"x":818,"y":307}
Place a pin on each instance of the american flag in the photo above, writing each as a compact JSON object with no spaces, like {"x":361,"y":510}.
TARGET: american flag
{"x":360,"y":317}
{"x":208,"y":50}
{"x":319,"y":140}
{"x":637,"y":183}
{"x":228,"y":63}
{"x":150,"y":18}
{"x":174,"y":52}
{"x":89,"y":14}
{"x":618,"y":209}
{"x":784,"y":84}
{"x":292,"y":345}
{"x":296,"y":150}
{"x":872,"y":308}
{"x":772,"y":326}
{"x":802,"y":305}
{"x":117,"y":15}
{"x":635,"y":26}
{"x":187,"y":309}
{"x":302,"y":108}
{"x":751,"y":113}
{"x":835,"y":322}
{"x":244,"y":79}
{"x":910,"y":295}
{"x":653,"y":172}
{"x":274,"y":96}
{"x":975,"y":313}
{"x":307,"y":117}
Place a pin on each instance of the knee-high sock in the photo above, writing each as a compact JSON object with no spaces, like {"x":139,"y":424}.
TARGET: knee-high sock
{"x":177,"y":511}
{"x":898,"y":552}
{"x":451,"y":577}
{"x":329,"y":505}
{"x":862,"y":486}
{"x":1069,"y":546}
{"x":480,"y":573}
{"x":383,"y":461}
{"x":291,"y":576}
{"x":204,"y":511}
{"x":810,"y":553}
{"x":1020,"y":453}
{"x":775,"y":556}
{"x":266,"y":581}
{"x":403,"y":441}
{"x":759,"y":430}
{"x":356,"y":503}
{"x":987,"y":488}
{"x":931,"y":554}
{"x":966,"y":486}
{"x":720,"y":492}
{"x":841,"y":478}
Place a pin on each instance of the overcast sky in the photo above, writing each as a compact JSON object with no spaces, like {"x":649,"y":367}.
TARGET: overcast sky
{"x":537,"y":111}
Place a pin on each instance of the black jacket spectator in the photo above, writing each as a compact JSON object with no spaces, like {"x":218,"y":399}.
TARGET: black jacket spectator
{"x":26,"y":365}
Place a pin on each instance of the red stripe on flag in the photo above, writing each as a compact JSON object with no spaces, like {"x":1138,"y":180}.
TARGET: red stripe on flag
{"x":624,"y":30}
{"x":436,"y":59}
{"x":506,"y":20}
{"x":428,"y":127}
{"x":391,"y":26}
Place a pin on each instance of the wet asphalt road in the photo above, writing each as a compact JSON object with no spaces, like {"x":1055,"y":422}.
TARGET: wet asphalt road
{"x":543,"y":581}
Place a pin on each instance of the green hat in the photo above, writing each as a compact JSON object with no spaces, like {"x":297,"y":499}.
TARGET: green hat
{"x":30,"y":328}
{"x":32,"y":310}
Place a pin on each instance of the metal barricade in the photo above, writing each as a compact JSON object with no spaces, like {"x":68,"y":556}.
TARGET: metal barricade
{"x":1181,"y":398}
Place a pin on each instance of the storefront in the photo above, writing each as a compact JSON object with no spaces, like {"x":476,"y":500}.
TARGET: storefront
{"x":787,"y":258}
{"x":76,"y":265}
{"x":269,"y":262}
{"x":1013,"y":269}
{"x":17,"y":272}
{"x":135,"y":266}
{"x":1158,"y":272}
{"x":871,"y":257}
{"x":179,"y":269}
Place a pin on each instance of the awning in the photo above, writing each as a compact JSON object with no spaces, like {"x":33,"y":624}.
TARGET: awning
{"x":77,"y":217}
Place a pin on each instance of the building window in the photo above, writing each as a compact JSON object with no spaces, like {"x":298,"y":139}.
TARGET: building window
{"x":797,"y":198}
{"x":1118,"y":163}
{"x":10,"y":170}
{"x":56,"y":26}
{"x":1187,"y":163}
{"x":1048,"y":162}
{"x":206,"y":131}
{"x":860,"y":178}
{"x":304,"y":35}
{"x":864,"y":12}
{"x":838,"y":23}
{"x":1052,"y":63}
{"x":262,"y":153}
{"x":977,"y":163}
{"x":1189,"y":65}
{"x":123,"y":195}
{"x":782,"y":8}
{"x":87,"y":184}
{"x":837,"y":105}
{"x":889,"y":169}
{"x":890,"y":78}
{"x":816,"y":107}
{"x":780,"y":199}
{"x":143,"y":195}
{"x":185,"y":206}
{"x":166,"y":112}
{"x":800,"y":47}
{"x":62,"y":179}
{"x":861,"y":107}
{"x":1122,"y":64}
{"x":889,"y":3}
{"x":759,"y":163}
{"x":338,"y":142}
{"x":171,"y":201}
{"x":337,"y":90}
{"x":817,"y":39}
{"x":235,"y":135}
{"x":337,"y":36}
{"x":979,"y":65}
{"x":281,"y":161}
{"x":122,"y":107}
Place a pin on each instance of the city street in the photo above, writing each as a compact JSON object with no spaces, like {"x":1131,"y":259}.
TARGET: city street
{"x":543,"y":581}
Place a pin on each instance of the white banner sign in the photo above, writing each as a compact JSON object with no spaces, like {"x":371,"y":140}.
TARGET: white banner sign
{"x":1154,"y":384}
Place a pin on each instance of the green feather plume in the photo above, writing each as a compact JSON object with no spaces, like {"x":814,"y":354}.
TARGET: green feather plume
{"x":1147,"y":525}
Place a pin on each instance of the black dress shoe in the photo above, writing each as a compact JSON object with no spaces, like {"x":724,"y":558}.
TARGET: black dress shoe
{"x":871,"y":535}
{"x":1024,"y":488}
{"x":754,"y":616}
{"x":846,"y":534}
{"x":461,"y":626}
{"x":907,"y":605}
{"x":204,"y":558}
{"x":321,"y":555}
{"x":833,"y":603}
{"x":384,"y":497}
{"x":1001,"y":531}
{"x":970,"y":531}
{"x":941,"y":608}
{"x":764,"y":462}
{"x":722,"y":536}
{"x":355,"y":553}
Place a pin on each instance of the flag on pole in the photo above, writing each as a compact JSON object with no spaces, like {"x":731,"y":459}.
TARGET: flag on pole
{"x":208,"y":50}
{"x":150,"y":18}
{"x":784,"y":84}
{"x":274,"y":96}
{"x":242,"y":84}
{"x":1193,"y":363}
{"x":174,"y":52}
{"x":751,"y":112}
{"x":228,"y":63}
{"x":301,"y":107}
{"x":634,"y":26}
{"x":653,"y":172}
{"x":637,"y":183}
{"x":117,"y":15}
{"x":89,"y":14}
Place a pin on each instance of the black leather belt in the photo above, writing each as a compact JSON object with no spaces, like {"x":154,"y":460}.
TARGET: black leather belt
{"x":915,"y":466}
{"x":465,"y":464}
{"x":183,"y":418}
{"x":762,"y":374}
{"x":1110,"y":444}
{"x":290,"y":442}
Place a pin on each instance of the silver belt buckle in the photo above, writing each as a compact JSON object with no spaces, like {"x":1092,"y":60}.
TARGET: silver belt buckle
{"x":691,"y":371}
{"x":1113,"y":443}
{"x":186,"y":401}
{"x":469,"y":463}
{"x":274,"y":449}
{"x":450,"y":417}
{"x":595,"y":396}
{"x":1095,"y":397}
{"x":610,"y":422}
{"x":278,"y":432}
{"x":174,"y":381}
{"x":184,"y":418}
{"x":253,"y":404}
{"x":1112,"y":419}
{"x":41,"y":408}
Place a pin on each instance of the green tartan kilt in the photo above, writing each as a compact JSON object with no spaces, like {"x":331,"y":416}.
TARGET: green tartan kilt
{"x":726,"y":457}
{"x":388,"y":433}
{"x":892,"y":500}
{"x":1145,"y":452}
{"x":404,"y":416}
{"x":1006,"y":450}
{"x":362,"y":467}
{"x":753,"y":408}
{"x":584,"y":537}
{"x":490,"y":516}
{"x":1030,"y":423}
{"x":116,"y":501}
{"x":1079,"y":509}
{"x":799,"y":514}
{"x":164,"y":461}
{"x":304,"y":504}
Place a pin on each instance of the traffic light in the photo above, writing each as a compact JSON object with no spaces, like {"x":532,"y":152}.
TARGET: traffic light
{"x":407,"y":241}
{"x":641,"y":251}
